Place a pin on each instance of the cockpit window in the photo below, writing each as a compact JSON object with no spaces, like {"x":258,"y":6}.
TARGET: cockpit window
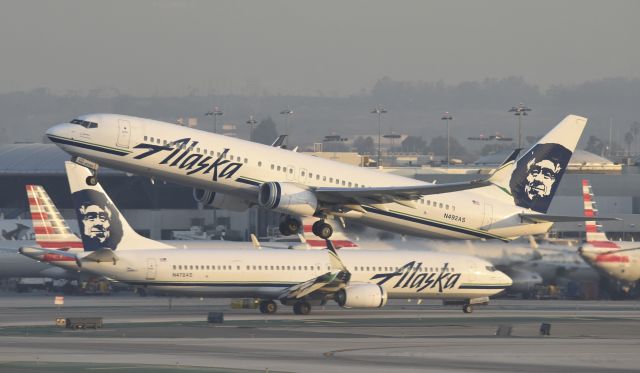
{"x":491,"y":268}
{"x":84,"y":123}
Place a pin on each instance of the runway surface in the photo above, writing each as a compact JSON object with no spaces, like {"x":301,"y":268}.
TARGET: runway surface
{"x":155,"y":334}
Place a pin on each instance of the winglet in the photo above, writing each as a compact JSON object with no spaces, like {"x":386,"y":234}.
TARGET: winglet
{"x":334,"y":259}
{"x":255,"y":242}
{"x":279,"y":141}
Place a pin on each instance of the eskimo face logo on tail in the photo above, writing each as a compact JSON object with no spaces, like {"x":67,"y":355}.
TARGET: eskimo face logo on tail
{"x":98,"y":220}
{"x":182,"y":156}
{"x":537,"y":176}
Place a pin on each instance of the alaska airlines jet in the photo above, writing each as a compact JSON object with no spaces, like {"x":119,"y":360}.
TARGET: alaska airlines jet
{"x":617,"y":259}
{"x":235,"y":174}
{"x":359,"y":278}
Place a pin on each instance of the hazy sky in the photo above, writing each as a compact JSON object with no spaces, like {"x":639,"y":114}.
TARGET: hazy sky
{"x":145,"y":47}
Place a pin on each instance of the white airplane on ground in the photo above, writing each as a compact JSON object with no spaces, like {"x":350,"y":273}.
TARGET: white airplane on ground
{"x":619,"y":260}
{"x":235,"y":174}
{"x":294,"y":277}
{"x":51,"y":231}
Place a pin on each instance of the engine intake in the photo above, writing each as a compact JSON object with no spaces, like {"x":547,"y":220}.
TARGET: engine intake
{"x":219,"y":200}
{"x":287,"y":198}
{"x":362,"y":296}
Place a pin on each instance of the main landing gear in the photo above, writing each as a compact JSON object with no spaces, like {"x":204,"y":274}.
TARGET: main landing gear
{"x":92,"y":180}
{"x":290,"y":226}
{"x":322,"y":229}
{"x":268,"y":306}
{"x":467,"y":308}
{"x":302,"y":308}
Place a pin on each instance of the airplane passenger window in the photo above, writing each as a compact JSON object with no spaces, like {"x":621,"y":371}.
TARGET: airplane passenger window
{"x":349,"y":184}
{"x":300,"y":268}
{"x":288,"y":268}
{"x":291,"y":170}
{"x":158,"y":141}
{"x":248,"y":267}
{"x":260,"y":268}
{"x":440,"y":205}
{"x":302,"y":173}
{"x":259,"y":164}
{"x":324,"y":178}
{"x":305,"y":268}
{"x":174,"y":267}
{"x":238,"y":268}
{"x":356,"y":185}
{"x":254,"y":268}
{"x":331,"y":180}
{"x":145,"y":138}
{"x":151,"y":139}
{"x":453,"y":208}
{"x":284,"y":169}
{"x":191,"y":267}
{"x":246,"y":160}
{"x":344,"y":183}
{"x":337,"y":181}
{"x":198,"y":150}
{"x":271,"y":268}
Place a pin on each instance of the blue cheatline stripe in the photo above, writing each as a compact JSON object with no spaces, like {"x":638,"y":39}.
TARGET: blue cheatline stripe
{"x":213,"y":284}
{"x":482,"y":287}
{"x":431,"y":223}
{"x":61,"y":140}
{"x":247,"y":181}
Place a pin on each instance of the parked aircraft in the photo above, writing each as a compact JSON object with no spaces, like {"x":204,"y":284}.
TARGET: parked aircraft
{"x":294,"y":277}
{"x":235,"y":174}
{"x":619,"y":260}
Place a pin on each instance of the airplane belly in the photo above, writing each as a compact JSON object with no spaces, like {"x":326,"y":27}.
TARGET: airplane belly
{"x":214,"y":291}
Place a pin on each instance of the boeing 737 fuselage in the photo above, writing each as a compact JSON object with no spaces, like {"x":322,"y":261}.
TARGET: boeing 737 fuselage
{"x":235,"y":174}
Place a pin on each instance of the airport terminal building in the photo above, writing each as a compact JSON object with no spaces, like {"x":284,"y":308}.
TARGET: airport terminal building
{"x":163,"y":210}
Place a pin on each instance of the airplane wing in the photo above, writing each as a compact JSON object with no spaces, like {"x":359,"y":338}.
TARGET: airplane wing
{"x":545,"y":218}
{"x":330,"y":282}
{"x":46,"y":255}
{"x":393,"y":194}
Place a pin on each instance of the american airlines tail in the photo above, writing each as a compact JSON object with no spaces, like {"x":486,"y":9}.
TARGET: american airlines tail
{"x":51,"y":230}
{"x":593,"y":231}
{"x":533,"y":179}
{"x":101,"y":223}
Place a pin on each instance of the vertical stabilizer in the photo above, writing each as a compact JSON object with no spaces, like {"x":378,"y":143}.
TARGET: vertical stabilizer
{"x":101,"y":223}
{"x":537,"y":173}
{"x":593,"y":230}
{"x":50,"y":228}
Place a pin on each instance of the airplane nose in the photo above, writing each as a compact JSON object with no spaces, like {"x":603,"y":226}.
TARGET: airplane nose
{"x":57,"y":131}
{"x":504,"y":279}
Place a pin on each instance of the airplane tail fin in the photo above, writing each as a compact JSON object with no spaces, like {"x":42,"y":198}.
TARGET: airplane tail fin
{"x":101,"y":223}
{"x":535,"y":176}
{"x":50,"y":228}
{"x":338,"y":238}
{"x":592,"y":228}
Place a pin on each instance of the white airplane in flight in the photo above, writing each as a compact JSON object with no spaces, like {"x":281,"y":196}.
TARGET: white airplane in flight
{"x":358,"y":278}
{"x":235,"y":174}
{"x":619,"y":260}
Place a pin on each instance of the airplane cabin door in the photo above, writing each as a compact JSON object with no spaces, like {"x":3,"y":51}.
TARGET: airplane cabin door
{"x":124,"y":133}
{"x":151,"y":269}
{"x":488,"y":216}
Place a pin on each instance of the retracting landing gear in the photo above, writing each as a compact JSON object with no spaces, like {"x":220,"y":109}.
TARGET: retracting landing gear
{"x":467,"y":308}
{"x":302,"y":308}
{"x":92,"y":180}
{"x":322,"y":229}
{"x":268,"y":306}
{"x":92,"y":166}
{"x":290,"y":226}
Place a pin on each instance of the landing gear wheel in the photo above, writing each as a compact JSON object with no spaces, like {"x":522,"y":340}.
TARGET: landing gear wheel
{"x":302,"y":308}
{"x":92,"y":180}
{"x":268,"y":306}
{"x":322,"y":229}
{"x":467,"y":308}
{"x":289,"y":226}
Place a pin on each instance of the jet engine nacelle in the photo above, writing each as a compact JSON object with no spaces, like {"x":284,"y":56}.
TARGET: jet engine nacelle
{"x":287,"y":198}
{"x":362,"y":296}
{"x":219,"y":200}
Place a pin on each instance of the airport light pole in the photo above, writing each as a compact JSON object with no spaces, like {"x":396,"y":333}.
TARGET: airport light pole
{"x":288,"y":112}
{"x":215,"y":113}
{"x":252,"y":126}
{"x":520,"y":111}
{"x":379,"y":111}
{"x":448,"y":117}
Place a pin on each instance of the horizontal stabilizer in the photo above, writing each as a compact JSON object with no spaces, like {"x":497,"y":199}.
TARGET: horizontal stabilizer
{"x":544,"y":218}
{"x":100,"y":255}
